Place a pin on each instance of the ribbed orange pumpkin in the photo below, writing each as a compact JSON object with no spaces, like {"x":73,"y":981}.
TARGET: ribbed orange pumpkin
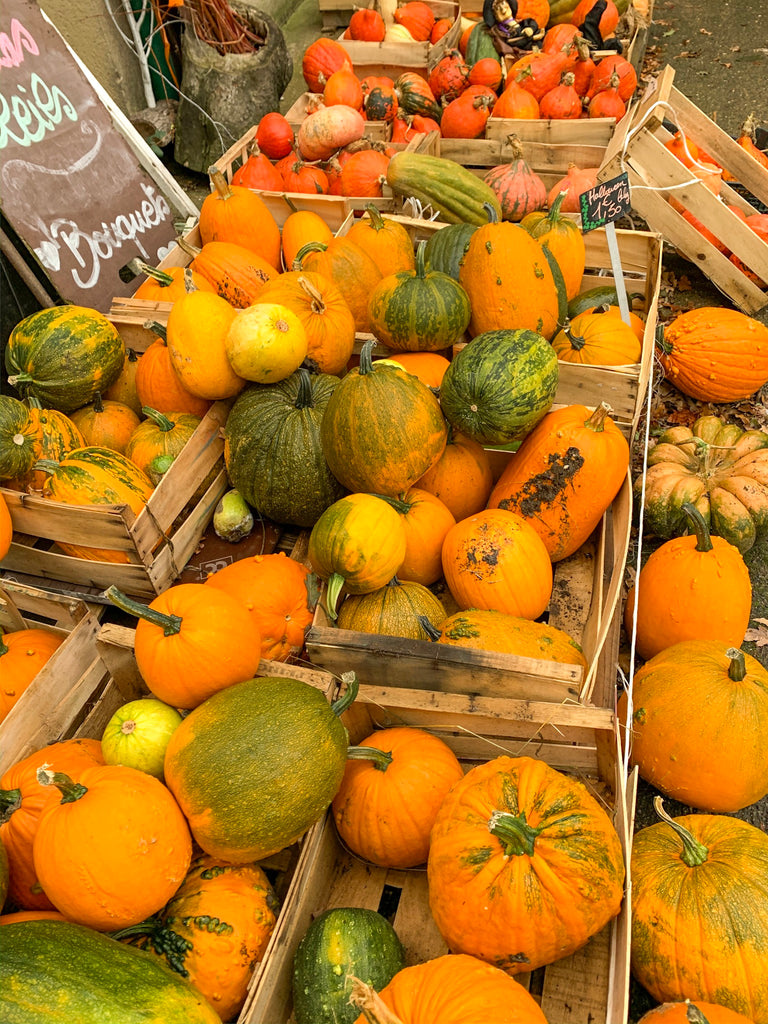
{"x":594,"y":339}
{"x":496,"y":560}
{"x":417,"y":17}
{"x":382,"y":428}
{"x":511,"y":836}
{"x":564,"y":240}
{"x":564,"y":476}
{"x":692,"y":698}
{"x":385,"y":240}
{"x":168,"y":285}
{"x":23,"y":652}
{"x":159,"y":387}
{"x":393,"y":785}
{"x":426,"y":520}
{"x":304,"y":178}
{"x":685,"y":1013}
{"x":461,"y":478}
{"x":326,"y":318}
{"x":23,"y":800}
{"x":343,"y":86}
{"x":276,"y":591}
{"x":235,"y":273}
{"x":191,"y":642}
{"x":349,"y":267}
{"x":122,"y":830}
{"x":197,"y":327}
{"x":232,"y":213}
{"x":636,"y":322}
{"x":364,"y":174}
{"x":715,"y":354}
{"x":258,"y":172}
{"x":105,"y":424}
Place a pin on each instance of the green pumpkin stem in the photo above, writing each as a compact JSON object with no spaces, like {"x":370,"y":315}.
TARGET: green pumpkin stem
{"x":737,"y":669}
{"x":694,"y":1015}
{"x":694,"y":853}
{"x":20,"y":378}
{"x":491,"y":214}
{"x":577,"y":340}
{"x":513,"y":832}
{"x":421,"y":270}
{"x":159,"y":418}
{"x":366,"y":357}
{"x":156,"y":328}
{"x":596,"y":421}
{"x":377,"y":221}
{"x":170,"y":624}
{"x":381,"y":759}
{"x":290,"y":203}
{"x":189,"y":281}
{"x":332,"y":591}
{"x":346,"y":700}
{"x":305,"y":250}
{"x":557,"y":275}
{"x":403,"y":507}
{"x":304,"y":398}
{"x":554,"y":211}
{"x":432,"y":632}
{"x":219,"y":182}
{"x":48,"y":466}
{"x":162,"y":277}
{"x":70,"y":791}
{"x":661,"y":342}
{"x":34,"y":403}
{"x":10,"y":801}
{"x":703,"y":538}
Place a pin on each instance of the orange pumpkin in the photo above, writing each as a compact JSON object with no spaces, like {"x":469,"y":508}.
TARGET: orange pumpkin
{"x":461,"y":478}
{"x":385,"y":240}
{"x":197,"y":328}
{"x":426,"y":520}
{"x":496,"y":560}
{"x":31,"y":915}
{"x":685,"y":1013}
{"x":106,"y":424}
{"x":232,"y":213}
{"x":564,"y":240}
{"x":564,"y":476}
{"x":596,"y":339}
{"x":300,"y":227}
{"x":496,"y":631}
{"x":122,"y":830}
{"x":393,"y":785}
{"x":349,"y":267}
{"x":429,"y":367}
{"x":159,"y":435}
{"x":23,"y":652}
{"x":169,"y":284}
{"x":158,"y":385}
{"x":56,"y":435}
{"x":124,"y":389}
{"x":23,"y":800}
{"x":276,"y":591}
{"x":6,"y":529}
{"x":235,"y":273}
{"x":509,"y":880}
{"x":191,"y":642}
{"x":636,"y":322}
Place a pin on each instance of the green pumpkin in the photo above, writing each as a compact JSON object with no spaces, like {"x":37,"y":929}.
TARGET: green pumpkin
{"x":419,"y":311}
{"x":480,"y":45}
{"x":342,"y":942}
{"x":393,"y":610}
{"x":17,"y":439}
{"x":63,"y":356}
{"x":56,"y":972}
{"x":255,"y":765}
{"x":446,"y":248}
{"x":272,"y":448}
{"x":500,"y":385}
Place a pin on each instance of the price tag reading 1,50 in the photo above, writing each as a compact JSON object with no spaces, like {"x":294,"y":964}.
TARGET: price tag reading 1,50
{"x":605,"y":203}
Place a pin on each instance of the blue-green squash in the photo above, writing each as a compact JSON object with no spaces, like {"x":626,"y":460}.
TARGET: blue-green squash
{"x":341,"y":942}
{"x":499,"y":386}
{"x":56,"y":972}
{"x":446,"y":248}
{"x":63,"y":356}
{"x":17,"y":439}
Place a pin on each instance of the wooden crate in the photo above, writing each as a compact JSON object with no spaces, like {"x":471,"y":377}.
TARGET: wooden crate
{"x":58,"y":700}
{"x":398,"y":56}
{"x":590,"y":987}
{"x":157,"y":542}
{"x":377,"y":131}
{"x":655,"y":175}
{"x":622,"y":387}
{"x":585,"y":596}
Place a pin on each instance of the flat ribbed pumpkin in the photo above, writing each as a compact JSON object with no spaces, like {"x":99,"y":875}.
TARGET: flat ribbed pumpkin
{"x":715,"y":354}
{"x":382,"y":428}
{"x":239,"y":807}
{"x":486,"y":630}
{"x":700,"y":911}
{"x":329,"y":326}
{"x":496,"y":560}
{"x":393,"y":610}
{"x":278,"y":592}
{"x":96,"y":476}
{"x":524,"y":865}
{"x":419,"y":310}
{"x":564,"y":476}
{"x":500,"y":385}
{"x":17,"y":439}
{"x":63,"y":356}
{"x":55,"y":436}
{"x":693,"y":698}
{"x":273,"y":452}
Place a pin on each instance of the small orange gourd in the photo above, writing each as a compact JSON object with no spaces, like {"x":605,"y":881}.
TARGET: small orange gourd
{"x":106,"y":424}
{"x":426,"y":520}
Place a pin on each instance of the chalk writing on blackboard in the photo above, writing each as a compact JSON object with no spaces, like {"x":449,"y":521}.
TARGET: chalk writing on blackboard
{"x":71,"y":186}
{"x":605,"y":203}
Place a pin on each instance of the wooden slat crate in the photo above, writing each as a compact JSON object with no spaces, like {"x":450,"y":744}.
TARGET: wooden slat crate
{"x":586,"y":592}
{"x":622,"y":387}
{"x":590,"y":987}
{"x":374,"y":58}
{"x":57,"y":701}
{"x":157,"y":543}
{"x":655,"y":175}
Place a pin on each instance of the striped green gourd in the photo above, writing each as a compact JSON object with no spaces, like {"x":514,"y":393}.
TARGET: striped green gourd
{"x":453,"y":191}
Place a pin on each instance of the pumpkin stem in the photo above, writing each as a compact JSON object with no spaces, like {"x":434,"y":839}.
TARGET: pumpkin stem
{"x":332,"y":591}
{"x":305,"y":250}
{"x":170,"y":624}
{"x":694,"y":1015}
{"x":340,"y":705}
{"x":703,"y":538}
{"x":162,"y":277}
{"x":366,"y":357}
{"x":398,"y":504}
{"x":577,"y":341}
{"x":20,"y":378}
{"x":188,"y":248}
{"x":554,"y":211}
{"x":304,"y":399}
{"x":46,"y":466}
{"x":596,"y":421}
{"x":70,"y":791}
{"x":10,"y":801}
{"x":159,"y":418}
{"x":661,"y":342}
{"x":156,"y":328}
{"x":98,"y":405}
{"x":318,"y":306}
{"x":513,"y":832}
{"x":421,"y":271}
{"x":35,"y":403}
{"x":432,"y":632}
{"x":377,"y":221}
{"x":370,"y":1003}
{"x":219,"y":182}
{"x":491,"y":214}
{"x":516,"y":146}
{"x":189,"y":281}
{"x":737,"y":669}
{"x":694,"y":853}
{"x":382,"y":759}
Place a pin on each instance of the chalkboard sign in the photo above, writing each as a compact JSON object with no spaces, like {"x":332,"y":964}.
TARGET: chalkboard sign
{"x":605,"y":203}
{"x":71,"y":186}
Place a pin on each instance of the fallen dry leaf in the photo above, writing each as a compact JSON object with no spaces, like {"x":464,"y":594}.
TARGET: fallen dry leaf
{"x":758,"y":636}
{"x":684,"y":284}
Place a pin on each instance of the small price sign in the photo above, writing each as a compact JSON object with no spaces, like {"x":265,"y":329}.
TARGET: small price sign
{"x":605,"y":203}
